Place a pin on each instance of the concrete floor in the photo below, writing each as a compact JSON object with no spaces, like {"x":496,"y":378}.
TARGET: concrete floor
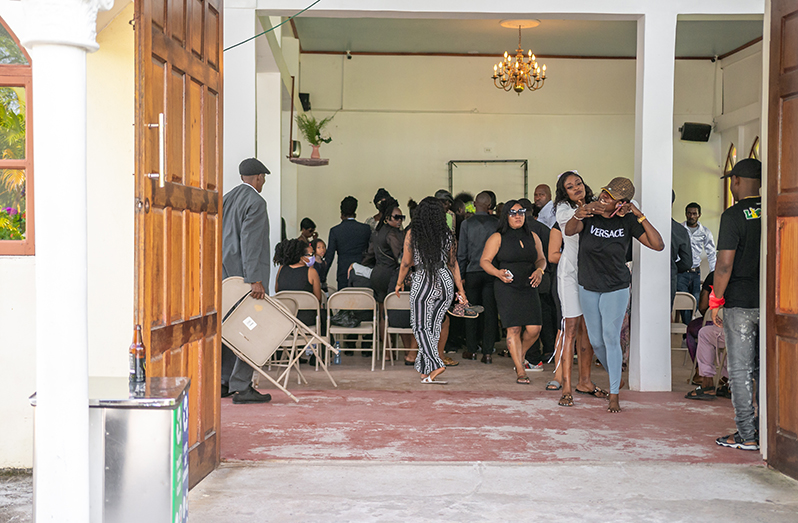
{"x":334,"y":491}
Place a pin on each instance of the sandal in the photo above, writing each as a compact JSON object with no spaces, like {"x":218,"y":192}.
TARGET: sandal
{"x":737,"y":442}
{"x":723,"y":392}
{"x":553,"y":385}
{"x":460,"y":310}
{"x":701,"y":393}
{"x":449,"y":362}
{"x":596,"y":392}
{"x":431,"y":381}
{"x":523,"y":380}
{"x":505,"y":353}
{"x":567,"y":400}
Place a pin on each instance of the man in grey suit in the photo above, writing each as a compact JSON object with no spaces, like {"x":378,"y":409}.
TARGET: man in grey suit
{"x":245,"y":252}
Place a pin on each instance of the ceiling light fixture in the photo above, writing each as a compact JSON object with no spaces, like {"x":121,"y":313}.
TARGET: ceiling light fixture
{"x":519,"y":74}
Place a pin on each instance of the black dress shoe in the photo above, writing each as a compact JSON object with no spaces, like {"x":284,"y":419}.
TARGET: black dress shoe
{"x":487,"y":358}
{"x":250,"y":395}
{"x":468,"y":355}
{"x":226,"y":391}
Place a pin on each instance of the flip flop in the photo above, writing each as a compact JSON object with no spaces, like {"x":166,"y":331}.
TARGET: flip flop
{"x":523,"y":380}
{"x":596,"y":392}
{"x":430,"y":381}
{"x":553,"y":385}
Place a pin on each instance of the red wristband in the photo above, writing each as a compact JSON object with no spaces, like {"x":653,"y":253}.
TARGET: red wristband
{"x":715,"y":302}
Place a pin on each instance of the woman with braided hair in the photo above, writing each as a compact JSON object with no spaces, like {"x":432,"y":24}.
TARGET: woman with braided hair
{"x":296,"y":273}
{"x":430,"y":246}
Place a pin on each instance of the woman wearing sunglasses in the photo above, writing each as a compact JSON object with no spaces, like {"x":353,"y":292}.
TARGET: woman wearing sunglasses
{"x":521,"y":263}
{"x":605,"y":229}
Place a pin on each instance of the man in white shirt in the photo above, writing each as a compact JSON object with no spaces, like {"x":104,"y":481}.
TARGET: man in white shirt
{"x":700,"y":240}
{"x":545,"y":206}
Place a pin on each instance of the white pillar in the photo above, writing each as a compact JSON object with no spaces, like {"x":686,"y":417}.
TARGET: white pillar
{"x":239,"y":93}
{"x":270,"y":150}
{"x":59,"y":34}
{"x":650,"y":358}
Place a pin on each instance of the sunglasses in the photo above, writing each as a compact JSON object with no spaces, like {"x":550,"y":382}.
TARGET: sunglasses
{"x":398,"y":217}
{"x":517,"y":212}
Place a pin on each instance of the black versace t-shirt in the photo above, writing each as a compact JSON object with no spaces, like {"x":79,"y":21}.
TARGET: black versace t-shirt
{"x":741,"y":231}
{"x":602,"y":252}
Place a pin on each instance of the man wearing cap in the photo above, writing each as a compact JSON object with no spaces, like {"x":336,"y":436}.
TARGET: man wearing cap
{"x":446,"y":199}
{"x":245,"y":252}
{"x":736,"y":288}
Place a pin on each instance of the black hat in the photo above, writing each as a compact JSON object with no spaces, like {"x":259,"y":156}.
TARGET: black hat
{"x":252,"y":167}
{"x":382,"y":194}
{"x":746,"y":168}
{"x":443,"y":194}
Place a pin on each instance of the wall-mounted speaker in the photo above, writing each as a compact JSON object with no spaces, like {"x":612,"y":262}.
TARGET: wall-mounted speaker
{"x":304,"y":98}
{"x":695,"y":132}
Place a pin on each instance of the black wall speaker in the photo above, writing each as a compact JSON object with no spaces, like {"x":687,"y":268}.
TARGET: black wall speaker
{"x":695,"y":132}
{"x":304,"y":98}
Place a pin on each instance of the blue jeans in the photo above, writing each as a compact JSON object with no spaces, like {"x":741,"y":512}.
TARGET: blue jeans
{"x":604,"y":312}
{"x":689,"y":282}
{"x":741,"y":327}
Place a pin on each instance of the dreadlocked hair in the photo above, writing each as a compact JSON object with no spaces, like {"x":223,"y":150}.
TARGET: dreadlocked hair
{"x":561,"y":195}
{"x":386,"y":208}
{"x":431,"y":236}
{"x":289,"y":252}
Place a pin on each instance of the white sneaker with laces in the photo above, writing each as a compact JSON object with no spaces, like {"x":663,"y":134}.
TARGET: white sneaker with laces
{"x":533,"y":368}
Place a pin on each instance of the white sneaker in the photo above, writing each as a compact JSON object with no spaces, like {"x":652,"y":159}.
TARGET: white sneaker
{"x":533,"y":368}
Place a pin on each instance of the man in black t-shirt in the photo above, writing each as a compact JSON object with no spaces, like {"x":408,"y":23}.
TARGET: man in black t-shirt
{"x":737,"y":289}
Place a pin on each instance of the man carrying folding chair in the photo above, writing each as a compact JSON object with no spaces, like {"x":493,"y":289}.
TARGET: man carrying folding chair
{"x":245,"y":252}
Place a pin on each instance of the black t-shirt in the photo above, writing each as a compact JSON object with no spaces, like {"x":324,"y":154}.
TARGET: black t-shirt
{"x":741,"y":231}
{"x":602,"y":252}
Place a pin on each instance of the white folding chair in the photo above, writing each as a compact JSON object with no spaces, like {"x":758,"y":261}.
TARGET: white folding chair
{"x":394,"y":303}
{"x":306,"y":301}
{"x":282,"y":356}
{"x":684,"y":301}
{"x":355,"y":300}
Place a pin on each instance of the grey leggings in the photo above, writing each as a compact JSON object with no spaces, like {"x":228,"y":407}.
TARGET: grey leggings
{"x":604,"y":312}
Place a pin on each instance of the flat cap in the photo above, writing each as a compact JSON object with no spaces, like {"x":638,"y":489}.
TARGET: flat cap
{"x":746,"y":168}
{"x":252,"y":167}
{"x":620,"y":188}
{"x":443,"y":194}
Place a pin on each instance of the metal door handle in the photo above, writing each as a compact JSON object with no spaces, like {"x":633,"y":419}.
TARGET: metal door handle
{"x":161,"y":151}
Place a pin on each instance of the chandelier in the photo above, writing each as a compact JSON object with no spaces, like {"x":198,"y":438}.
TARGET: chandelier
{"x":519,"y":73}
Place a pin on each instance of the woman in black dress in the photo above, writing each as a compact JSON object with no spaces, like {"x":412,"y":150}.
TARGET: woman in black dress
{"x":296,"y":273}
{"x":387,"y":244}
{"x":521,"y":263}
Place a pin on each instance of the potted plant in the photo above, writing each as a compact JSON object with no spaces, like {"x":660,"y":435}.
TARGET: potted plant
{"x":311,"y":129}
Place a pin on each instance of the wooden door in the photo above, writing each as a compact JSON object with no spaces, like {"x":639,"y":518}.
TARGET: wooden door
{"x":178,"y":226}
{"x":782,"y":276}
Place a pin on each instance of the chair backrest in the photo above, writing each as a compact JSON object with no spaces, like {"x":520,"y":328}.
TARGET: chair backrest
{"x":352,"y":300}
{"x":708,"y":315}
{"x":684,"y":301}
{"x":288,"y":302}
{"x":367,"y":290}
{"x":233,"y":289}
{"x":257,"y":328}
{"x":306,"y":301}
{"x":401,"y":302}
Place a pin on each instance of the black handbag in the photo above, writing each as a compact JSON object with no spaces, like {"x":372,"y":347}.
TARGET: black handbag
{"x":346,"y":319}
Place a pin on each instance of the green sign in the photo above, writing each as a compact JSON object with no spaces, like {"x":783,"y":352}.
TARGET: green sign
{"x":180,"y":462}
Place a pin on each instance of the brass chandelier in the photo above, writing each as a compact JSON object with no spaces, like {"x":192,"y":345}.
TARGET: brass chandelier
{"x":519,"y":74}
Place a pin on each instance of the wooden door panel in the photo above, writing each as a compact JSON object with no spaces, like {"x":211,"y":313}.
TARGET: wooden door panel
{"x":782,"y":240}
{"x":788,"y":369}
{"x":178,"y":237}
{"x":788,"y":135}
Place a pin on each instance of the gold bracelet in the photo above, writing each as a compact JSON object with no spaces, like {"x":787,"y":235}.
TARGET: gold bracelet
{"x":642,"y":219}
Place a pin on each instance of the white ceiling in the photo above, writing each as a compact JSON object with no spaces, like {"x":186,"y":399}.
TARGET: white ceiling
{"x":694,"y":38}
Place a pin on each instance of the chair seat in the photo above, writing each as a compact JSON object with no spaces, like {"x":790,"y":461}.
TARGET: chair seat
{"x":678,"y":328}
{"x":366,"y":327}
{"x":400,"y":330}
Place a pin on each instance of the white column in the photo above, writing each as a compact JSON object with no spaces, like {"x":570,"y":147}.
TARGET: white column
{"x":650,"y":358}
{"x":59,"y":34}
{"x":271,"y":151}
{"x":239,"y":93}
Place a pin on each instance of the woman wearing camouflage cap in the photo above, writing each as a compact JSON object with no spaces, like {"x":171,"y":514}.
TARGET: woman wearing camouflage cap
{"x":605,"y":229}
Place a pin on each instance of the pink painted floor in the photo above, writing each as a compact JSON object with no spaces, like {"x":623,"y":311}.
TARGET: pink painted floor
{"x":504,"y":426}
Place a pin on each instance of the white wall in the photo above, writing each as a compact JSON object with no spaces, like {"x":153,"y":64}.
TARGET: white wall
{"x":401,"y":119}
{"x":110,"y":82}
{"x":110,"y":167}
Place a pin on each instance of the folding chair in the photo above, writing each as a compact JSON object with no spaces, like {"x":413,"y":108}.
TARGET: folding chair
{"x":684,"y":301}
{"x":255,"y":329}
{"x":356,"y":300}
{"x":394,"y":303}
{"x":288,"y":346}
{"x":305,"y":301}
